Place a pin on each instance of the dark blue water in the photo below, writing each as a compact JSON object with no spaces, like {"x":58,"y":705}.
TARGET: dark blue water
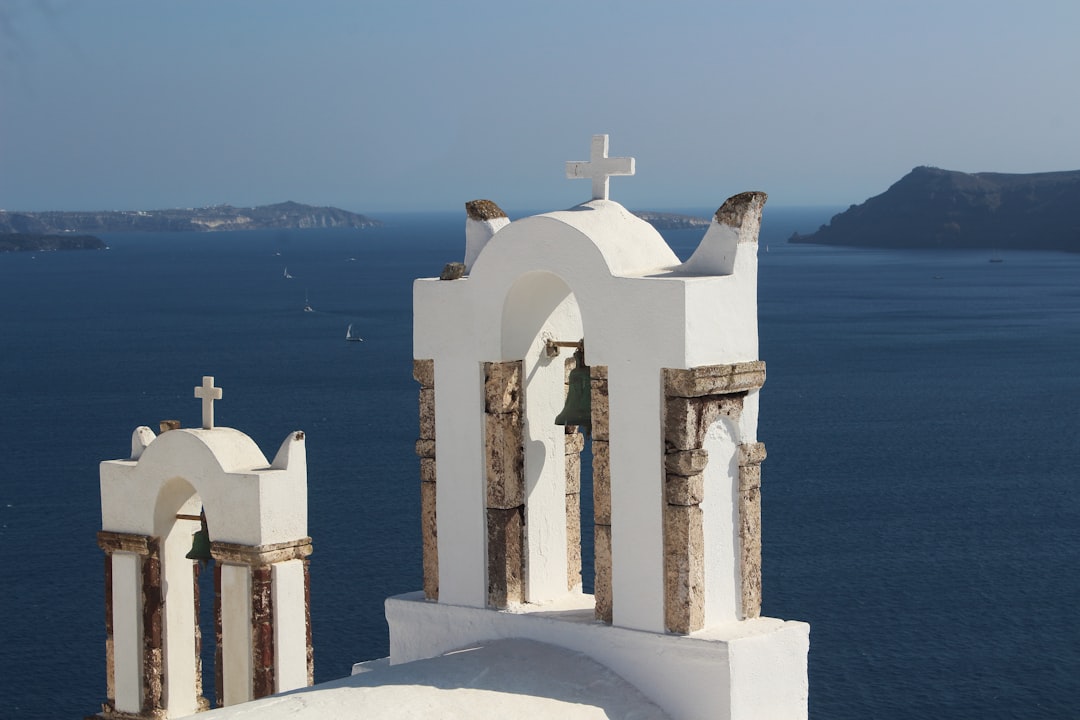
{"x":921,"y":415}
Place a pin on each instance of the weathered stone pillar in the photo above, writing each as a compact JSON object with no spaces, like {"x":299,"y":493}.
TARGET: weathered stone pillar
{"x":751,"y":456}
{"x":694,"y":400}
{"x":575,"y":443}
{"x":133,"y":626}
{"x":601,"y":476}
{"x":424,"y":373}
{"x":504,"y":460}
{"x":263,"y":619}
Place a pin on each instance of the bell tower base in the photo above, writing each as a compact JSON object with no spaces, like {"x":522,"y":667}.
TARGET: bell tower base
{"x":743,"y":670}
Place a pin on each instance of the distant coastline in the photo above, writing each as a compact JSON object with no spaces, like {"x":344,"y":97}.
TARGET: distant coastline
{"x":287,"y":215}
{"x":934,"y":208}
{"x":33,"y":242}
{"x":671,"y":221}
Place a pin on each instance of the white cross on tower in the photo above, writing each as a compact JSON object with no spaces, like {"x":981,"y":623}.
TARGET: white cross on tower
{"x":209,"y":394}
{"x":599,"y":167}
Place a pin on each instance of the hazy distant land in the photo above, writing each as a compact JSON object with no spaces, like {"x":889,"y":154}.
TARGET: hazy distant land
{"x":934,"y":208}
{"x":671,"y":221}
{"x":29,"y":242}
{"x":287,"y":215}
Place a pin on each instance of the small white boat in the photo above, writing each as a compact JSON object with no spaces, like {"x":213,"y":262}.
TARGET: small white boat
{"x":349,"y":337}
{"x":287,"y":275}
{"x":307,"y":305}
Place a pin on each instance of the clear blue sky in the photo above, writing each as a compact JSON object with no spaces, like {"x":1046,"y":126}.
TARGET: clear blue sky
{"x":424,"y":104}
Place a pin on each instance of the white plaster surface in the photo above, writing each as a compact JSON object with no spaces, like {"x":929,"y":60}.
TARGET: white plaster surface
{"x":477,"y":234}
{"x":246,"y":500}
{"x":290,"y":628}
{"x":748,"y":670}
{"x":720,"y":525}
{"x":497,"y":679}
{"x":127,"y":631}
{"x":236,"y":633}
{"x":599,"y":272}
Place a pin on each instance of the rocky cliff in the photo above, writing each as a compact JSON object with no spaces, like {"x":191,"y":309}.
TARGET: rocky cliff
{"x":934,"y":208}
{"x":288,"y":215}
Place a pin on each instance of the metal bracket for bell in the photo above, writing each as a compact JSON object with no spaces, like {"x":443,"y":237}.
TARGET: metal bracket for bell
{"x":200,"y":544}
{"x":578,"y":407}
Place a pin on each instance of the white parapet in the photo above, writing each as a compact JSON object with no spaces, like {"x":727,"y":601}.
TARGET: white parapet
{"x":746,"y":670}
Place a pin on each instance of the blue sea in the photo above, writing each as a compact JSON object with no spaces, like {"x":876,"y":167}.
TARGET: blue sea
{"x":922,"y":418}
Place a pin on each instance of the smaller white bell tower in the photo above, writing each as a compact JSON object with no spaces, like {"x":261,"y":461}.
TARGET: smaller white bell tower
{"x":217,"y":480}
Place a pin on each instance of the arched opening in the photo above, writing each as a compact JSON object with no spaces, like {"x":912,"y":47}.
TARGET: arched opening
{"x":187,"y":594}
{"x":540,"y":308}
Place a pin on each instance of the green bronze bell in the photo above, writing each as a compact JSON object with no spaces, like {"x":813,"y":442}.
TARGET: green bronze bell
{"x":578,"y":408}
{"x":200,"y":544}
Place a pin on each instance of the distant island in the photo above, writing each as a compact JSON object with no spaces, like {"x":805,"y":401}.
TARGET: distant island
{"x":31,"y":242}
{"x":672,"y":221}
{"x":934,"y":208}
{"x":286,"y":215}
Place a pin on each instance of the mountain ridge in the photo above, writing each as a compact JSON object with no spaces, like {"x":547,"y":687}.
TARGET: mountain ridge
{"x":935,"y":208}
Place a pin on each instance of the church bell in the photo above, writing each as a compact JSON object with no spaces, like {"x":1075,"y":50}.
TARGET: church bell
{"x":578,"y":408}
{"x":200,"y":543}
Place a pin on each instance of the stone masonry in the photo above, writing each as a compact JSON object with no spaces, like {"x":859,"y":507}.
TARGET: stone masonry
{"x":601,"y":493}
{"x":694,"y":400}
{"x":504,"y":460}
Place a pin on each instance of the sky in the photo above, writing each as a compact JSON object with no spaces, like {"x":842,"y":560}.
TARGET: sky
{"x":422,"y":105}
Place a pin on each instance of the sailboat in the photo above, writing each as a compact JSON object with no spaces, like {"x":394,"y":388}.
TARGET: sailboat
{"x":287,"y":275}
{"x":307,"y":305}
{"x":349,"y":337}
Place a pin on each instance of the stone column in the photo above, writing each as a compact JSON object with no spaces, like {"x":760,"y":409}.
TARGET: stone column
{"x":264,"y":619}
{"x":133,"y":626}
{"x":751,"y":456}
{"x":575,"y":443}
{"x":601,"y":494}
{"x":694,"y":400}
{"x":504,"y":460}
{"x":424,"y":373}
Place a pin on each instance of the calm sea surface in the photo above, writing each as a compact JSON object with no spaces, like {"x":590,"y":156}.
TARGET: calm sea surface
{"x":922,"y":418}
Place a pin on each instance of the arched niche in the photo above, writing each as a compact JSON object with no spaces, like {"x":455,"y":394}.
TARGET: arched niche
{"x":540,"y":307}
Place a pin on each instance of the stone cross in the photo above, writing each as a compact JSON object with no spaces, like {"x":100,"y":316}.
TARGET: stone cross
{"x":599,"y":167}
{"x":209,"y":394}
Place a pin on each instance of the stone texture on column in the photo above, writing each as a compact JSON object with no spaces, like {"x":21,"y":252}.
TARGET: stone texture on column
{"x":307,"y":621}
{"x":153,"y":647}
{"x":750,"y":457}
{"x":504,"y":462}
{"x":602,"y":582}
{"x":574,"y":444}
{"x":694,"y":400}
{"x":601,"y":476}
{"x":424,"y":373}
{"x":262,"y":632}
{"x":684,"y":569}
{"x":110,"y":671}
{"x":506,"y":553}
{"x":219,"y":657}
{"x":714,"y":379}
{"x":200,"y":699}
